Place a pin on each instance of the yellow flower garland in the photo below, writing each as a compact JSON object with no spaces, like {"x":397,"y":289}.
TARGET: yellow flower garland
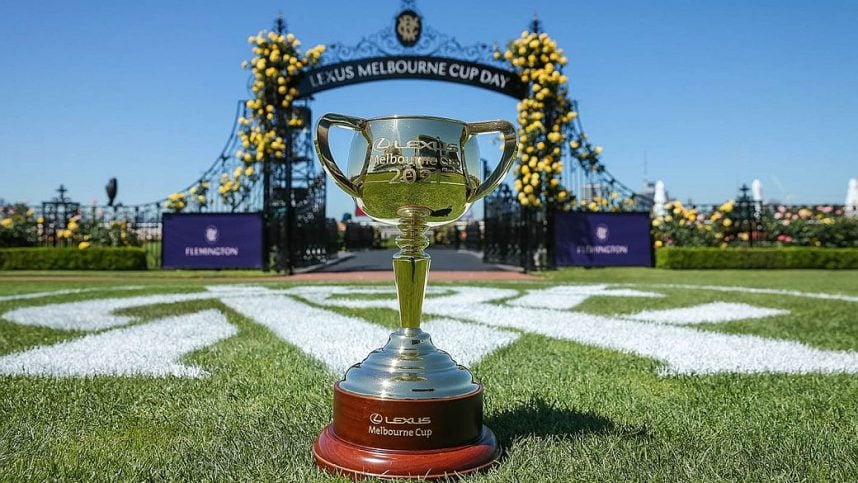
{"x":543,"y":117}
{"x":176,"y":202}
{"x":277,"y":62}
{"x":546,"y":130}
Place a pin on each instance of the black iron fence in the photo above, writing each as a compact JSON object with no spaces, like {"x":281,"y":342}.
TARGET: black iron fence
{"x":65,"y":223}
{"x":509,"y":234}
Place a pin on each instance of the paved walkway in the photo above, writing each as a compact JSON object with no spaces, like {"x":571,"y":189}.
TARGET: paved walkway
{"x":434,"y":276}
{"x":443,"y":259}
{"x":448,"y":265}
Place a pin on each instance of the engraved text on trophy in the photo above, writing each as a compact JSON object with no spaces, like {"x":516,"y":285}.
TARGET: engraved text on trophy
{"x":424,"y":171}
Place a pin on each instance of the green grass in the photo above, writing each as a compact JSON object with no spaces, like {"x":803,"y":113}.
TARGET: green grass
{"x":563,"y":411}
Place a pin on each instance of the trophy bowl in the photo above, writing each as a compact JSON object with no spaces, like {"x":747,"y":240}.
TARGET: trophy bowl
{"x":409,"y":410}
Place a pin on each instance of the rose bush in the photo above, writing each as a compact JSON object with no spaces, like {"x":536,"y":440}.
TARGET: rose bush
{"x":813,"y":226}
{"x":18,"y":226}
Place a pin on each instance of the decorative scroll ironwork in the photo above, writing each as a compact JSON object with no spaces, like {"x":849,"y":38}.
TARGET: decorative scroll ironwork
{"x":588,"y":180}
{"x":503,"y":228}
{"x":431,"y":43}
{"x":515,"y":235}
{"x":297,"y":230}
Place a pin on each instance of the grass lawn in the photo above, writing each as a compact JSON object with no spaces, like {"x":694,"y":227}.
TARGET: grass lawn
{"x":563,"y":409}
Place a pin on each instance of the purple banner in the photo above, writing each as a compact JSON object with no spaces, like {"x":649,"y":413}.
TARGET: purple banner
{"x":205,"y":240}
{"x":602,"y":239}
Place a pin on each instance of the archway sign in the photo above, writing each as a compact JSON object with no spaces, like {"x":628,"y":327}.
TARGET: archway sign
{"x":410,"y":50}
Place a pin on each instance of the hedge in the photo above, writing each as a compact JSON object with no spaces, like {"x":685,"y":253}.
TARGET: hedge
{"x":50,"y":258}
{"x":793,"y":257}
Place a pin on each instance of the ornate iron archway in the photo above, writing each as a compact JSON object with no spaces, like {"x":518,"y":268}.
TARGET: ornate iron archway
{"x":291,"y":194}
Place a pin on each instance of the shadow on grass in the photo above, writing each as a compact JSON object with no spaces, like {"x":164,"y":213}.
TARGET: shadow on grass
{"x":538,"y":418}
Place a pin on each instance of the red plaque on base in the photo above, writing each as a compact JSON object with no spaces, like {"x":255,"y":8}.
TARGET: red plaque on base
{"x":406,"y":438}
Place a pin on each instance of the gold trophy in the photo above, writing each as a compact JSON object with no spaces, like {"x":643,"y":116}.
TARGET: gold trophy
{"x":408,"y":410}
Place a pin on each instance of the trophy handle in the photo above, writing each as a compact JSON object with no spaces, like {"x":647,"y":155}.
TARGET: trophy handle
{"x":324,"y":150}
{"x":507,"y":158}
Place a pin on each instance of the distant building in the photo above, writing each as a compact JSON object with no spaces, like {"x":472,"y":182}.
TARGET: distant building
{"x":648,"y":194}
{"x":591,"y":191}
{"x":646,"y":198}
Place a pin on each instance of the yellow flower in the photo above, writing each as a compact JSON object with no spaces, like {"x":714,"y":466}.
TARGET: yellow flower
{"x":83,"y":245}
{"x":6,"y":222}
{"x":248,"y":171}
{"x":727,"y":222}
{"x":40,"y":220}
{"x":659,"y":244}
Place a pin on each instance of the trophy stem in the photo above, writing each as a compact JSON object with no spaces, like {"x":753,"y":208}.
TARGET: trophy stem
{"x":411,"y":264}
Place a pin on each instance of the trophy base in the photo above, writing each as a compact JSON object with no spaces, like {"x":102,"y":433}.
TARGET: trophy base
{"x":406,"y":438}
{"x":341,"y":457}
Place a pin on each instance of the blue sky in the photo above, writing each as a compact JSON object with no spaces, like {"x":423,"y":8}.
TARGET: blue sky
{"x":711,"y":94}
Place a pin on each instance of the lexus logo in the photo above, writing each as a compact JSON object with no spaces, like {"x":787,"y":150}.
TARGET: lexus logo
{"x":375,"y":418}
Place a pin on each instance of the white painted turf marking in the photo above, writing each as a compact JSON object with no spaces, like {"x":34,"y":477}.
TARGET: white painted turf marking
{"x":340,"y":341}
{"x":92,"y":315}
{"x":684,"y":350}
{"x":336,"y":340}
{"x":763,"y":291}
{"x":715,"y":312}
{"x":150,"y":349}
{"x":569,"y":296}
{"x":36,"y":295}
{"x":326,"y":294}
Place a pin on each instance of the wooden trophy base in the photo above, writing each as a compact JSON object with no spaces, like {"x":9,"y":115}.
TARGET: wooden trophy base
{"x":406,"y":438}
